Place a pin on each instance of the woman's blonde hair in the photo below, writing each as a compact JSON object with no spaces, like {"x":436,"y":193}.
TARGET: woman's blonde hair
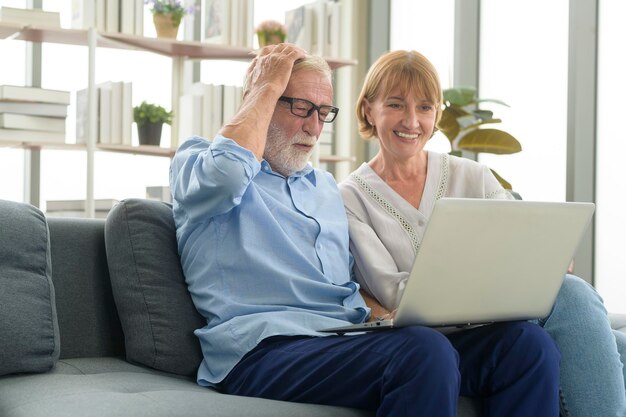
{"x":408,"y":71}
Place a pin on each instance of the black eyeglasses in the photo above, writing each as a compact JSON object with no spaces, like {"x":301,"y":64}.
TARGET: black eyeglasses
{"x":303,"y":108}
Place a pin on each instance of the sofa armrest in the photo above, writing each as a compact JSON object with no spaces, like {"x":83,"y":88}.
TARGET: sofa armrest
{"x":618,"y":321}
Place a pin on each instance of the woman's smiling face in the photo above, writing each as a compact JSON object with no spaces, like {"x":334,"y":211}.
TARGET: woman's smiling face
{"x":404,"y":122}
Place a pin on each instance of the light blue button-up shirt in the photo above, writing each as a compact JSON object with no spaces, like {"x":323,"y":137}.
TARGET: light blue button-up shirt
{"x":263,"y":255}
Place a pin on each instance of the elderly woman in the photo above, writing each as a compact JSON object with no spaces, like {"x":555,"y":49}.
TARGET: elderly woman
{"x":389,"y":200}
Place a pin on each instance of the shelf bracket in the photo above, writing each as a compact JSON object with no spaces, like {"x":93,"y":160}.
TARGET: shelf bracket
{"x":177,"y":90}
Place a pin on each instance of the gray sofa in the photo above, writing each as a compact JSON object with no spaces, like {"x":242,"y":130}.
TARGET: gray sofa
{"x":95,"y":320}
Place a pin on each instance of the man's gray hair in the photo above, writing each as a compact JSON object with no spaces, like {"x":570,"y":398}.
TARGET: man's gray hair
{"x":313,"y":63}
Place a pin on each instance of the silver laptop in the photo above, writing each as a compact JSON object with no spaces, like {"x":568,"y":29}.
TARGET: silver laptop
{"x":483,"y":261}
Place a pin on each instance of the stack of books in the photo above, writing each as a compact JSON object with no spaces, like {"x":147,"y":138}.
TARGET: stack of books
{"x":228,"y":22}
{"x":315,"y":27}
{"x":159,"y":193}
{"x":205,"y":108}
{"x":114,"y":110}
{"x":123,"y":16}
{"x":35,"y":17}
{"x":31,"y":114}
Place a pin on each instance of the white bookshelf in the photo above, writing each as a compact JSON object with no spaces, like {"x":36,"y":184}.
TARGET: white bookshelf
{"x":178,"y":51}
{"x":168,"y":47}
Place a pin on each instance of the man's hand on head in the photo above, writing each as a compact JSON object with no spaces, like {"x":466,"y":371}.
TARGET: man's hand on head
{"x":266,"y":80}
{"x":271,"y":69}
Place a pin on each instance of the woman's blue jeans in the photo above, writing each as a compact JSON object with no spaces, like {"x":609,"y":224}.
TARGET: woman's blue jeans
{"x":592,"y":354}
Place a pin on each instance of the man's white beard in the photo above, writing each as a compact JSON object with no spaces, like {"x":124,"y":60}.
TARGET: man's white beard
{"x":281,"y":155}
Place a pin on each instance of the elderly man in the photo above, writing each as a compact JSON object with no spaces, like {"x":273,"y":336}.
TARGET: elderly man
{"x":263,"y":239}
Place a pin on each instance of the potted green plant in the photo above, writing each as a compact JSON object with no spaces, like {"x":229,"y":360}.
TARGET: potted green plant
{"x":463,"y":123}
{"x":150,"y":118}
{"x":167,"y":15}
{"x":270,"y":32}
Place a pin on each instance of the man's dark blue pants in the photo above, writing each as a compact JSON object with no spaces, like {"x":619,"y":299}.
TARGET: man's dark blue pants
{"x":512,"y":368}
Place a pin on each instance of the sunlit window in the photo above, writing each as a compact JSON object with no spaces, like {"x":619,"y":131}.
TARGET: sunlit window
{"x":427,"y":27}
{"x":523,"y":62}
{"x":610,"y":268}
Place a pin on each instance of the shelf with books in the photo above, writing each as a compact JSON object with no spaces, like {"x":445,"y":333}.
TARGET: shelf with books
{"x":30,"y":16}
{"x":41,"y":145}
{"x":135,"y":150}
{"x":148,"y":150}
{"x":179,"y":51}
{"x":31,"y":114}
{"x":168,"y":47}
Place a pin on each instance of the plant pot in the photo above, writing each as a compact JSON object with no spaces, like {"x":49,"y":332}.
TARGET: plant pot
{"x":266,"y":38}
{"x":165,"y":27}
{"x":150,"y":133}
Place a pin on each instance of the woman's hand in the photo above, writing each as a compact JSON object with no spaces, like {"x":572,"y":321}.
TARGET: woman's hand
{"x":378,"y":311}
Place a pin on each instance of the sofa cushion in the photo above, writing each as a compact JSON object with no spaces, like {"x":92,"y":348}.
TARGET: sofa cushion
{"x":29,"y":332}
{"x":105,"y":387}
{"x":157,"y":315}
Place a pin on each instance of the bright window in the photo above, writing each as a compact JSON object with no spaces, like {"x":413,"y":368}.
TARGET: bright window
{"x":610,"y":268}
{"x":520,"y":63}
{"x":428,"y":28}
{"x":523,"y":62}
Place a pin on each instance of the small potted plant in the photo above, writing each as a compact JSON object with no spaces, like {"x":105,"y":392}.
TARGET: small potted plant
{"x":271,"y":32}
{"x":463,"y":122}
{"x":167,"y":15}
{"x":150,"y":118}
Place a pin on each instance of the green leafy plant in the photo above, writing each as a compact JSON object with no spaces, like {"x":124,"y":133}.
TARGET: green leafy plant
{"x":151,"y":113}
{"x":463,"y":123}
{"x":271,"y":32}
{"x":172,"y":7}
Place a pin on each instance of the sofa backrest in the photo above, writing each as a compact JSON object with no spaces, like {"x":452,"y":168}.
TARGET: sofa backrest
{"x":156,"y":310}
{"x":88,"y":321}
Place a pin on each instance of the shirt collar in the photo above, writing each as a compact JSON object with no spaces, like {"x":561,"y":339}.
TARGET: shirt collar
{"x":307,"y":171}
